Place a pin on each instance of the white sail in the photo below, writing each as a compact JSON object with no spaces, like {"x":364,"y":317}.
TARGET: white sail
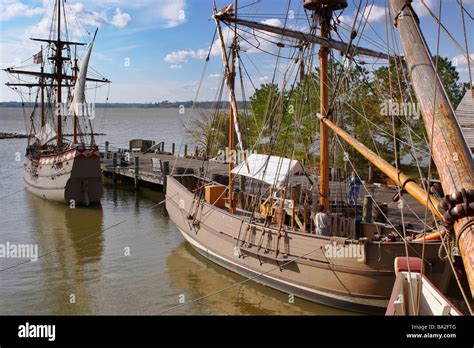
{"x":77,"y":105}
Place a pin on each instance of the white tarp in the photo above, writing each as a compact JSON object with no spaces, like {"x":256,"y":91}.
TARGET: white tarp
{"x":45,"y":134}
{"x":273,"y":170}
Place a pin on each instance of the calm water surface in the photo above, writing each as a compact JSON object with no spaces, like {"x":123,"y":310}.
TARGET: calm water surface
{"x":83,"y":267}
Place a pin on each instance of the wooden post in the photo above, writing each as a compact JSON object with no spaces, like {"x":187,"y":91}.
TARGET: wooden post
{"x":242,"y":183}
{"x":324,"y":108}
{"x":114,"y":169}
{"x":172,"y":148}
{"x":367,"y":209}
{"x":137,"y":170}
{"x":166,"y":171}
{"x":450,"y":153}
{"x":106,"y":150}
{"x":162,"y":146}
{"x":186,"y":150}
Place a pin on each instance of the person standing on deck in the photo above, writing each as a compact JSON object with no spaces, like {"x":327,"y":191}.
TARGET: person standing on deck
{"x":354,"y":188}
{"x":322,"y":222}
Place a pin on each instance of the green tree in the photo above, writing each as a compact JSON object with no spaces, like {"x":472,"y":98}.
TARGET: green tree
{"x":450,"y":78}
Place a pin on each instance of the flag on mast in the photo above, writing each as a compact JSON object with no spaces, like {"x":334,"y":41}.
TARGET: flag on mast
{"x":38,"y":58}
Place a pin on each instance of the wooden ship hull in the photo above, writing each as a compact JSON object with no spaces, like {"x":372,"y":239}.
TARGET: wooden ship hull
{"x":72,"y":175}
{"x":291,"y":261}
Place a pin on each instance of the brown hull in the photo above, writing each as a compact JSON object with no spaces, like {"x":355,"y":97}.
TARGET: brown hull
{"x":73,"y":175}
{"x":300,"y":267}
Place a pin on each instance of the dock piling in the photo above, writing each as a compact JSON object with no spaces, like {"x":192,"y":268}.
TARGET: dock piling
{"x":137,"y":170}
{"x":114,"y":165}
{"x":106,"y":150}
{"x":172,"y":148}
{"x":166,"y":171}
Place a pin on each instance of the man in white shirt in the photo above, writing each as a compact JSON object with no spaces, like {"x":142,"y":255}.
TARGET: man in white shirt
{"x":322,"y":221}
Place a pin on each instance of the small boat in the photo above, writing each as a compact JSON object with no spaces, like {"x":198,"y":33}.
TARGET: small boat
{"x":414,"y":294}
{"x":57,"y":168}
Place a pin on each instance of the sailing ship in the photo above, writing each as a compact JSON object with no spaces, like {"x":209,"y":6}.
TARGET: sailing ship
{"x":57,"y":168}
{"x":266,"y":240}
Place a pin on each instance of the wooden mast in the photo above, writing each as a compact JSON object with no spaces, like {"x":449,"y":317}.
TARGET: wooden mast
{"x":43,"y":120}
{"x":76,"y":69}
{"x":324,"y":17}
{"x":59,"y":67}
{"x":450,"y":154}
{"x":233,"y":111}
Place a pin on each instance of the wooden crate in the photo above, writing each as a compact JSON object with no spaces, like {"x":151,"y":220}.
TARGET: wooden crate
{"x":215,"y":194}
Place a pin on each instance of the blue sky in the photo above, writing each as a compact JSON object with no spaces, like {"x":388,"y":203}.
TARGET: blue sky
{"x":154,"y":50}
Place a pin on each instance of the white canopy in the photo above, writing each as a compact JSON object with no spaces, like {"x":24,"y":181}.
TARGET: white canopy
{"x":273,"y":170}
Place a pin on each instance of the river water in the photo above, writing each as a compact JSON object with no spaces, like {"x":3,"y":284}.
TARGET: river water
{"x":125,"y":257}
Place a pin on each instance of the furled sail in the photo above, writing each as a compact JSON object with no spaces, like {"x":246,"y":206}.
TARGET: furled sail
{"x":77,"y":105}
{"x":45,"y":134}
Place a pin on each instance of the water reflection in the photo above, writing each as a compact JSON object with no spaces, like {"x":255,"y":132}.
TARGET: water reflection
{"x":72,"y":242}
{"x":195,"y":276}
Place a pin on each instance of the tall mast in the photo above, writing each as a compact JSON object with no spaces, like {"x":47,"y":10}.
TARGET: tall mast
{"x":325,"y":16}
{"x":59,"y":67}
{"x":76,"y":69}
{"x":231,"y":121}
{"x":323,"y":9}
{"x":233,"y":112}
{"x":43,"y":121}
{"x":450,"y":152}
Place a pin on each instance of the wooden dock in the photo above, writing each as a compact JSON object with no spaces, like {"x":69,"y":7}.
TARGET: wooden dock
{"x":150,"y":169}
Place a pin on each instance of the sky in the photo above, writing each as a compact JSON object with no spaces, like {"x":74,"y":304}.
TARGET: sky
{"x":155,"y":50}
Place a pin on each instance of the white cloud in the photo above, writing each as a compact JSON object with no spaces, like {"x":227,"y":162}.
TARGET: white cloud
{"x":215,"y":75}
{"x":172,"y":12}
{"x":178,"y":58}
{"x":9,"y":10}
{"x":460,"y":62}
{"x":120,"y":19}
{"x":93,"y":18}
{"x":79,"y":16}
{"x":249,"y":44}
{"x":377,"y":14}
{"x":273,"y":21}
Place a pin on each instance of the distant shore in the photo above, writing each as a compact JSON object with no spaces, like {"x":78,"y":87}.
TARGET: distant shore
{"x":163,"y":104}
{"x":4,"y":135}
